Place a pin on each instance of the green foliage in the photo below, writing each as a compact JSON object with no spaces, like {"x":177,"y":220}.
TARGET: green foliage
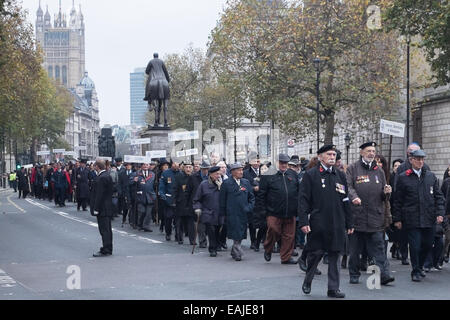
{"x":430,"y":20}
{"x":33,"y":107}
{"x":270,"y":49}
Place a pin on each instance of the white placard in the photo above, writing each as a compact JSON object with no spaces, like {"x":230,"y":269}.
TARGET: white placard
{"x":181,"y":153}
{"x":156,"y":154}
{"x":43,"y":153}
{"x":59,"y":150}
{"x":104,"y":158}
{"x":392,"y":128}
{"x":136,"y":159}
{"x":183,"y":135}
{"x":191,"y":152}
{"x":70,"y":153}
{"x":81,"y":148}
{"x":139,"y":141}
{"x":27,"y":166}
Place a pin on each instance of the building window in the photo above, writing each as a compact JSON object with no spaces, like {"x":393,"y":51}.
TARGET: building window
{"x":50,"y":71}
{"x":57,"y":73}
{"x":64,"y":75}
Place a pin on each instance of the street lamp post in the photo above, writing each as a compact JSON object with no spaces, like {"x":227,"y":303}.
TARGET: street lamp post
{"x":347,"y":145}
{"x":210,"y":115}
{"x":407,"y":89}
{"x":317,"y":65}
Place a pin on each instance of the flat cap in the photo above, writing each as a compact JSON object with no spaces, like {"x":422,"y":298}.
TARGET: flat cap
{"x":235,"y":166}
{"x":118,"y":159}
{"x":418,"y":153}
{"x":294,"y":160}
{"x":367,"y":144}
{"x":282,"y":157}
{"x":214,"y":169}
{"x":326,"y":148}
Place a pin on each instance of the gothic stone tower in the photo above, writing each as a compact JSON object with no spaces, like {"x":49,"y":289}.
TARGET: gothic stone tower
{"x":63,"y":45}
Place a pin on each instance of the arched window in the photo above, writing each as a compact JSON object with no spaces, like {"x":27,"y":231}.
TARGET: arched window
{"x":50,"y":71}
{"x":64,"y":75}
{"x":57,"y":73}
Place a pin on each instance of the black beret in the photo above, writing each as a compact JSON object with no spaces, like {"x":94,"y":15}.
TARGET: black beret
{"x":118,"y":159}
{"x":214,"y":169}
{"x":326,"y":148}
{"x":83,"y":161}
{"x":367,"y":144}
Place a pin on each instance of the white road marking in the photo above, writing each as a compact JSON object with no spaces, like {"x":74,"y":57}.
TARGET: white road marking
{"x":15,"y":205}
{"x":6,"y":281}
{"x":90,"y":223}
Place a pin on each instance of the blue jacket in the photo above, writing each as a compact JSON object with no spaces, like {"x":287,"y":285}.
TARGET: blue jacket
{"x":166,"y":185}
{"x":145,"y":193}
{"x":60,"y":180}
{"x":207,"y":199}
{"x":236,"y":202}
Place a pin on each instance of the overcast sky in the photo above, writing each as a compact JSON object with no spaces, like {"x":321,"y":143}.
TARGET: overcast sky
{"x":122,"y":35}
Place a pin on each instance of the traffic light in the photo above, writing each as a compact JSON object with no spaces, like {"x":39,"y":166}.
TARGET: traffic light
{"x":18,"y":166}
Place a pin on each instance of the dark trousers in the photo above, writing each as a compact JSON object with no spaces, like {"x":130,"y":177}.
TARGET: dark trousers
{"x":252,"y":232}
{"x":280,"y":229}
{"x":82,"y":202}
{"x":223,"y":235}
{"x":23,"y":193}
{"x":403,"y":243}
{"x":260,"y":236}
{"x":144,"y":215}
{"x":420,"y":242}
{"x":133,"y":216}
{"x":213,"y":236}
{"x":201,"y":231}
{"x":185,"y":223}
{"x":59,"y":196}
{"x":104,"y":226}
{"x":374,"y":243}
{"x":313,"y":259}
{"x":169,"y":219}
{"x":435,"y":256}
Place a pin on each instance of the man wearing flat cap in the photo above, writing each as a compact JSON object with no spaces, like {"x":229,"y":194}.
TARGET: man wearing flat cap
{"x":368,"y":191}
{"x":418,"y":207}
{"x":194,"y":182}
{"x":325,"y":216}
{"x":207,"y":209}
{"x":278,"y":199}
{"x":236,"y":202}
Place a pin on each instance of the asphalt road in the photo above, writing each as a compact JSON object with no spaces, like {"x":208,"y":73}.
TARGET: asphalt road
{"x":40,"y":242}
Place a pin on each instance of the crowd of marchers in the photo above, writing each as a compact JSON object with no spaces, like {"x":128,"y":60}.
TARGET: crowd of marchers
{"x":348,"y":216}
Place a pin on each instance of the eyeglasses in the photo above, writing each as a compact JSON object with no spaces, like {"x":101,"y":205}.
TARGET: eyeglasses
{"x":418,"y":159}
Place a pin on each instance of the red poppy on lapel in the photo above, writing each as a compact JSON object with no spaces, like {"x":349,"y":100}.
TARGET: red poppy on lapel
{"x":290,"y":179}
{"x":243,"y":189}
{"x":321,"y":169}
{"x":375,"y":168}
{"x":408,"y":172}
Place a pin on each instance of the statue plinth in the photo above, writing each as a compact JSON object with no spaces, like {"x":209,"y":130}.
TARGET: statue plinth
{"x":159,"y":140}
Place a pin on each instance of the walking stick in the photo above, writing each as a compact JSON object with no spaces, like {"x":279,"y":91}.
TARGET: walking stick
{"x":195,"y":234}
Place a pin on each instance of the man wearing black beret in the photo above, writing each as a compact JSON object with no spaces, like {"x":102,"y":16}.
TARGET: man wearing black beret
{"x":325,"y":216}
{"x":368,"y":191}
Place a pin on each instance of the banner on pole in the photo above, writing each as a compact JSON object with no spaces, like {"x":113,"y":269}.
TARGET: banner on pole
{"x":156,"y":154}
{"x":392,"y":128}
{"x":183,"y":135}
{"x":137,"y":159}
{"x":139,"y":141}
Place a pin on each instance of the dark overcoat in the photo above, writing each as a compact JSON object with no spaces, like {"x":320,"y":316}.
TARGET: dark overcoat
{"x":207,"y":199}
{"x":103,"y":195}
{"x":417,"y":201}
{"x":181,"y":196}
{"x":145,"y":191}
{"x":82,"y":178}
{"x":323,"y":196}
{"x":236,"y":202}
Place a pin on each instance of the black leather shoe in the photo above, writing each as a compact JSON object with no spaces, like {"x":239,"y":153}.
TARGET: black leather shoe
{"x":446,"y":258}
{"x":290,"y":261}
{"x":267,"y":256}
{"x":180,"y":242}
{"x":167,"y":238}
{"x":252,"y":246}
{"x":294,"y":253}
{"x":224,"y":246}
{"x":318,"y":272}
{"x":306,"y":288}
{"x":438,"y":267}
{"x":422,"y":274}
{"x":335,"y":294}
{"x":218,"y":249}
{"x":302,"y":265}
{"x":213,"y":254}
{"x":301,"y":246}
{"x":238,"y":259}
{"x":385,"y":281}
{"x":147,"y":230}
{"x":257,"y":248}
{"x":427,"y":269}
{"x":101,"y":254}
{"x":354,"y":280}
{"x":416,"y":278}
{"x":405,"y":262}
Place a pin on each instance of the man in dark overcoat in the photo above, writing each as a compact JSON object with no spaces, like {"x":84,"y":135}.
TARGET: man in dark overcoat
{"x":207,"y":209}
{"x":418,"y":206}
{"x":324,"y":198}
{"x":236,"y":201}
{"x":103,"y":208}
{"x":82,"y":180}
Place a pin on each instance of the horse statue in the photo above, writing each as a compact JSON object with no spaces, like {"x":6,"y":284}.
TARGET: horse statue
{"x":157,"y":88}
